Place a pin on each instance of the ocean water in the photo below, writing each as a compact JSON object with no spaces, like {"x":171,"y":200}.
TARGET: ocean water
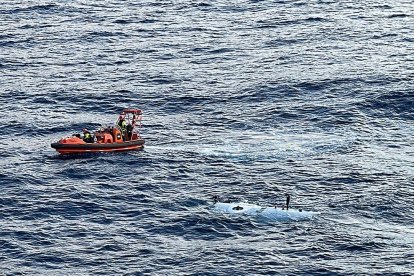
{"x":248,"y":100}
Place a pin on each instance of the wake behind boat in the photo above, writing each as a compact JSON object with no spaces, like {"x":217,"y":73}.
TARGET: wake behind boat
{"x":123,"y":136}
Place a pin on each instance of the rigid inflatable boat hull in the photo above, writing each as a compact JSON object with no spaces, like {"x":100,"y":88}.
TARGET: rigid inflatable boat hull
{"x":98,"y":147}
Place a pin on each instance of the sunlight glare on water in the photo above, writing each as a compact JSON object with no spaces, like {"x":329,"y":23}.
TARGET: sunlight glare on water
{"x":249,"y":100}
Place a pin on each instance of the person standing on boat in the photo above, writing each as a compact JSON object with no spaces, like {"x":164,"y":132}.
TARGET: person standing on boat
{"x":87,"y":136}
{"x":123,"y":125}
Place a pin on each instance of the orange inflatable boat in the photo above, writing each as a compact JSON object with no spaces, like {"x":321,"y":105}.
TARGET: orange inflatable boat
{"x":123,"y":136}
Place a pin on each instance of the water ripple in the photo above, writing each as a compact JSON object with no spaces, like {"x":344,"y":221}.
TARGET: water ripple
{"x":248,"y":100}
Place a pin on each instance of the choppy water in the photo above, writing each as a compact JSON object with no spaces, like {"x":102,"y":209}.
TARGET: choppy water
{"x":246,"y":99}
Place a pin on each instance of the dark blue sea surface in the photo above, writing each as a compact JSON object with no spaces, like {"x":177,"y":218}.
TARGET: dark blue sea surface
{"x":245,"y":99}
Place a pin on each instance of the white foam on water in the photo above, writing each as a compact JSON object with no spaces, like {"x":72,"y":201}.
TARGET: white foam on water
{"x":254,"y":146}
{"x":270,"y":213}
